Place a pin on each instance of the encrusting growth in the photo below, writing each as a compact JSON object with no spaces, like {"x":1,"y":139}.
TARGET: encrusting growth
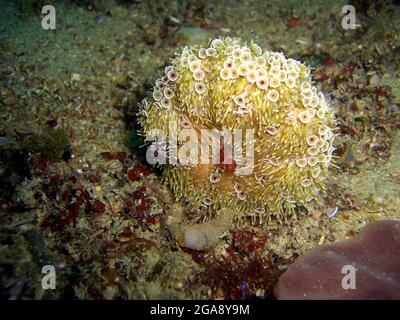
{"x":231,"y":85}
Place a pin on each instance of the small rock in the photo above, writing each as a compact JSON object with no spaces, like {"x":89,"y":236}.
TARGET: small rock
{"x":76,"y":77}
{"x":375,"y":80}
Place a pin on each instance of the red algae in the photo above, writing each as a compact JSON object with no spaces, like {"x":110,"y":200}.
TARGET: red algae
{"x":97,"y":206}
{"x":137,"y":172}
{"x":238,"y":275}
{"x":120,"y":155}
{"x":249,"y":240}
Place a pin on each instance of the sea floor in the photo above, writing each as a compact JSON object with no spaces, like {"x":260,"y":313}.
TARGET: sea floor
{"x":76,"y":192}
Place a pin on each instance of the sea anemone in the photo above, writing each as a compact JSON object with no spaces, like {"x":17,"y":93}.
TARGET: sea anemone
{"x":230,"y":85}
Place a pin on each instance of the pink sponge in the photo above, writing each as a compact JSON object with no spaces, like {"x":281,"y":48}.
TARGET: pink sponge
{"x":369,"y":262}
